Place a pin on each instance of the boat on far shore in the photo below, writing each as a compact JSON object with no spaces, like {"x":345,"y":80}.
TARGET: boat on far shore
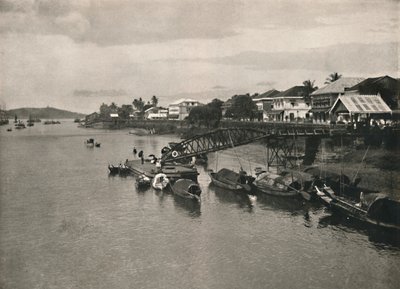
{"x":20,"y":125}
{"x":52,"y":122}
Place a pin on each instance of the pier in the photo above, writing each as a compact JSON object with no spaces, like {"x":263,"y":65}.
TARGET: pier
{"x":173,"y":171}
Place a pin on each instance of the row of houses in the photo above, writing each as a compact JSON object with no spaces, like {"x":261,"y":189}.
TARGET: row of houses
{"x":348,"y":99}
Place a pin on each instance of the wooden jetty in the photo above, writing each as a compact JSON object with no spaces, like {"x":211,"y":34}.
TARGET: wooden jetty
{"x":173,"y":171}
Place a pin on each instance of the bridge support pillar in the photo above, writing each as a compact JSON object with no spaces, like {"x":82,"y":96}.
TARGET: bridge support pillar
{"x":280,"y":152}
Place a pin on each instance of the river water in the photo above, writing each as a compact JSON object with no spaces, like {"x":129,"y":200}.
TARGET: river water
{"x":65,"y":223}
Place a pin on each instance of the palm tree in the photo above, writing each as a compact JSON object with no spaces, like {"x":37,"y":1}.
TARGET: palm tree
{"x":154,"y":100}
{"x":309,"y":88}
{"x":332,"y":77}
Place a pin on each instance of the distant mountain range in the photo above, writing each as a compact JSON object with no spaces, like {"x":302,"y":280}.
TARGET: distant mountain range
{"x":46,"y":112}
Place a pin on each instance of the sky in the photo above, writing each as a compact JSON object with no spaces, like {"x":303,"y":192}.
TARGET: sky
{"x":77,"y":54}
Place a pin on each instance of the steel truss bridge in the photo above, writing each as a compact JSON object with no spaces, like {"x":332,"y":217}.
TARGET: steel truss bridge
{"x":278,"y":141}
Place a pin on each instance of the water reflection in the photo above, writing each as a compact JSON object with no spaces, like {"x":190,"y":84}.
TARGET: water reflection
{"x":293,"y":205}
{"x":228,"y":196}
{"x":381,"y":238}
{"x":191,"y":207}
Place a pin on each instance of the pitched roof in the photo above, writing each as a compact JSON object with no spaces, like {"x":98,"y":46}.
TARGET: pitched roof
{"x":338,"y":86}
{"x":293,"y":91}
{"x":356,"y":103}
{"x":269,"y":93}
{"x":375,"y":84}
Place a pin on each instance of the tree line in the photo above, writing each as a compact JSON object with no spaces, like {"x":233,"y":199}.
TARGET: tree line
{"x":242,"y":107}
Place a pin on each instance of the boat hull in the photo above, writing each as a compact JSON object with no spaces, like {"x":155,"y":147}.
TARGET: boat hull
{"x":226,"y":184}
{"x":186,"y":189}
{"x":350,"y":209}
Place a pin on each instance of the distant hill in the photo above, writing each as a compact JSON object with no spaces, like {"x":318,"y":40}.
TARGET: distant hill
{"x":46,"y":112}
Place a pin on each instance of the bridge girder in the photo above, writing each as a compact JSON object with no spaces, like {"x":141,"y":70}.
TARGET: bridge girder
{"x":225,"y":138}
{"x":213,"y":141}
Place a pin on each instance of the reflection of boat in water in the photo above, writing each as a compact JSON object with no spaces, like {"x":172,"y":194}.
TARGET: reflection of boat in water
{"x":187,"y":189}
{"x":376,"y":209}
{"x":239,"y":197}
{"x":143,"y":182}
{"x":191,"y":207}
{"x":229,"y":179}
{"x":285,"y":184}
{"x":160,"y":181}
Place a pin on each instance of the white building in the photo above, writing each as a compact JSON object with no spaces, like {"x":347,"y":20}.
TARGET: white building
{"x":156,"y":113}
{"x":180,"y":109}
{"x":290,"y":105}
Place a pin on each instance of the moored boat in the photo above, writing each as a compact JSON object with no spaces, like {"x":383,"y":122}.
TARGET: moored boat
{"x":89,"y":142}
{"x":229,"y":179}
{"x":160,"y":181}
{"x":187,"y":189}
{"x":373,"y":208}
{"x":113,"y":169}
{"x":9,"y":129}
{"x":143,"y":182}
{"x":19,"y":125}
{"x":287,"y":183}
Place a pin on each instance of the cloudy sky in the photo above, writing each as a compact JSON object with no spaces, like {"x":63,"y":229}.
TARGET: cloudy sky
{"x":76,"y":54}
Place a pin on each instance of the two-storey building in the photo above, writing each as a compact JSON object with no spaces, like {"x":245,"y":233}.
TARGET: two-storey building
{"x":290,"y":105}
{"x":323,"y":99}
{"x":264,"y":103}
{"x":180,"y":109}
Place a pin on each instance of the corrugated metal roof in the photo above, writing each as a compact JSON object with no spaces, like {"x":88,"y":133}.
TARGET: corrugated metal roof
{"x":338,"y":86}
{"x":356,"y":103}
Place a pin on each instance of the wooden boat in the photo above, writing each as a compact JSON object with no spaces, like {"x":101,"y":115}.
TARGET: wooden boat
{"x":20,"y":125}
{"x":160,"y":181}
{"x":187,"y":189}
{"x":143,"y":182}
{"x":89,"y":142}
{"x":113,"y":169}
{"x":124,"y":170}
{"x":376,"y":209}
{"x":229,"y":179}
{"x":288,"y":183}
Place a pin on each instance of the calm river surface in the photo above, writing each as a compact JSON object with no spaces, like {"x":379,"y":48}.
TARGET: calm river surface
{"x":65,"y":223}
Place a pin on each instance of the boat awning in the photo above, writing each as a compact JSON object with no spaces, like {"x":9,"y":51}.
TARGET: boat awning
{"x":355,"y":103}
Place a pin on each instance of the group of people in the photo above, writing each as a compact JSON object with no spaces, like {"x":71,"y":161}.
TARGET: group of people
{"x":140,"y":154}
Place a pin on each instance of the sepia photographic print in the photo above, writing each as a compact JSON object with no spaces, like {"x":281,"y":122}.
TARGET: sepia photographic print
{"x":214,"y":144}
